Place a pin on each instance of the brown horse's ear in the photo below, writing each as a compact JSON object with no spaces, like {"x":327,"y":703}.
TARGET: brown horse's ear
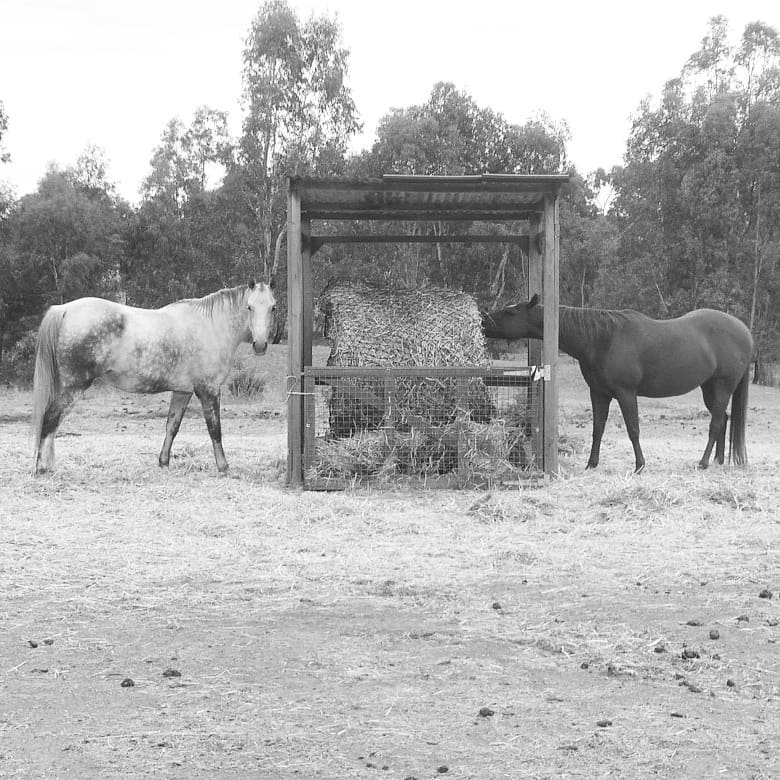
{"x":251,"y":284}
{"x":534,"y":301}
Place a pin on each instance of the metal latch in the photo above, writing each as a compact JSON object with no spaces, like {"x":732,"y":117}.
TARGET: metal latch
{"x":541,"y":372}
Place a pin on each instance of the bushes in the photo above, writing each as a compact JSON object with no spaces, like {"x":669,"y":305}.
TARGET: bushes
{"x":18,"y":365}
{"x":244,"y":382}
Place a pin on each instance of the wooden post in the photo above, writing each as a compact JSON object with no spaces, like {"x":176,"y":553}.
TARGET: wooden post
{"x":308,"y":420}
{"x":550,"y":299}
{"x":535,"y":389}
{"x":299,"y":330}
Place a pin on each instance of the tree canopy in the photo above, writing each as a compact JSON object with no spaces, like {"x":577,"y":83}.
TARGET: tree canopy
{"x":692,"y":219}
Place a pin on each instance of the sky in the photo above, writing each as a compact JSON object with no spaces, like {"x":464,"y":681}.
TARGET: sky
{"x":75,"y":73}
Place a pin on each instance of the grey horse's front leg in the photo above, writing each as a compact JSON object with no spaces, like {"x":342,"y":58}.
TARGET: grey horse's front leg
{"x":210,"y":403}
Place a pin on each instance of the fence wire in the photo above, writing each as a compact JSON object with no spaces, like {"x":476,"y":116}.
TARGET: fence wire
{"x":444,"y":427}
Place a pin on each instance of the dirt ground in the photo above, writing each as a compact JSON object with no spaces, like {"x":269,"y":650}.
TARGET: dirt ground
{"x":180,"y":624}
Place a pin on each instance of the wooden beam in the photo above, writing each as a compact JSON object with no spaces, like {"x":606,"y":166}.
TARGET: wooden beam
{"x":536,"y":285}
{"x":414,"y":213}
{"x":390,"y":182}
{"x":550,"y":298}
{"x":295,"y":327}
{"x":319,"y":241}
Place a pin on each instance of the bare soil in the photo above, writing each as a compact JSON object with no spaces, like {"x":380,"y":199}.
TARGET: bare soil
{"x":180,"y":624}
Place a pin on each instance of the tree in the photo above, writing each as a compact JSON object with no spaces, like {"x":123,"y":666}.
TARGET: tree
{"x":299,"y":117}
{"x":451,"y":134}
{"x":4,"y":156}
{"x":181,"y":163}
{"x":697,"y":203}
{"x":69,"y":235}
{"x":177,"y":245}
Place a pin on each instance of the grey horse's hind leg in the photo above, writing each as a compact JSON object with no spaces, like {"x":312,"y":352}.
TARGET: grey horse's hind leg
{"x":210,"y":403}
{"x":176,"y":411}
{"x":44,"y":458}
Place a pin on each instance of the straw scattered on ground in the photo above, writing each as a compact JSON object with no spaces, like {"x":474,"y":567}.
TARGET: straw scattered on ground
{"x":600,"y":625}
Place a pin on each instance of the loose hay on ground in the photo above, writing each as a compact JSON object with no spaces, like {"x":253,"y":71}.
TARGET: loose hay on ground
{"x":314,"y":629}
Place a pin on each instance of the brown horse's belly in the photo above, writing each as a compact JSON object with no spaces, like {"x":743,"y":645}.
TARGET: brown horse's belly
{"x":673,"y":380}
{"x":654,"y":390}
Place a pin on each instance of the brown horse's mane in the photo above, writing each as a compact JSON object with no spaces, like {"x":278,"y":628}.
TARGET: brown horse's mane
{"x":217,"y":302}
{"x":591,"y":325}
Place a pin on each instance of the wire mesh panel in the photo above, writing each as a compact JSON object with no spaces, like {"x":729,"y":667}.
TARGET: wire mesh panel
{"x":432,"y":426}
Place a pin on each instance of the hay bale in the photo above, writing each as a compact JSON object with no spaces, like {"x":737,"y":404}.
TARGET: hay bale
{"x":379,"y":327}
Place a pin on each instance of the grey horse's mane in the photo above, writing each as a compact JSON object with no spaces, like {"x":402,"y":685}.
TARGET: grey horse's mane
{"x":217,"y":302}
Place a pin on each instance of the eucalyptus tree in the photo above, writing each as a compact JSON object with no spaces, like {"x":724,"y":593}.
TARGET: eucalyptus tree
{"x":68,"y":233}
{"x":698,"y":200}
{"x":298,"y":118}
{"x":178,"y":247}
{"x":450,"y":133}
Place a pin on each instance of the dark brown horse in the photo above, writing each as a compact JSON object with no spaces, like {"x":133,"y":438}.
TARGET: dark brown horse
{"x":623,"y":354}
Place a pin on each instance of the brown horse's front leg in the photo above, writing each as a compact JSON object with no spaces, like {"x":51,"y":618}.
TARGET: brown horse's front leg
{"x":210,"y":403}
{"x":628,"y":406}
{"x":600,"y":405}
{"x":176,"y":411}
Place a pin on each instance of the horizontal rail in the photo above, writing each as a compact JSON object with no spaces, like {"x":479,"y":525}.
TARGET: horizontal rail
{"x":492,"y":377}
{"x":316,"y":242}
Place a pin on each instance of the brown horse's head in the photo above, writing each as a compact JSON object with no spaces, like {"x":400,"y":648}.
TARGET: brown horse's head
{"x":519,"y":321}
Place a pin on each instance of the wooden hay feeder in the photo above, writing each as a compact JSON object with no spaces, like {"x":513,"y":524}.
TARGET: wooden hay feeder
{"x":408,"y":390}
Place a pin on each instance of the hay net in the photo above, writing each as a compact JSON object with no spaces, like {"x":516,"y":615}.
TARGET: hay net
{"x":412,"y":425}
{"x":375,"y":326}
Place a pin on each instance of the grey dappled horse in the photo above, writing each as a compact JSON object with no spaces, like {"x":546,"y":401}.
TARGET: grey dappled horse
{"x":186,"y":347}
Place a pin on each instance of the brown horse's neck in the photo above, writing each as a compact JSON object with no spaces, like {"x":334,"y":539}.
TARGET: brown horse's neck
{"x":580,"y":330}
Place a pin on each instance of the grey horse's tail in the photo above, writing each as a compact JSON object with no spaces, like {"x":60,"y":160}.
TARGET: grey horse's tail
{"x":739,"y":401}
{"x":46,"y":380}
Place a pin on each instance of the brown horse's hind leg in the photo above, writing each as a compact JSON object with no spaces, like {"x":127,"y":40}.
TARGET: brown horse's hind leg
{"x":628,"y":406}
{"x":176,"y":411}
{"x":600,"y":405}
{"x":716,"y":400}
{"x":210,"y":403}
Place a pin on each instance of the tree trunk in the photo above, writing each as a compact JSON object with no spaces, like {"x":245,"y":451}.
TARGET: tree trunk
{"x":277,"y":255}
{"x":756,"y":261}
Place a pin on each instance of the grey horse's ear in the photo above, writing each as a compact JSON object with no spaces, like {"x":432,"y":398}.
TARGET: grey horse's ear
{"x":534,"y":301}
{"x":251,"y":284}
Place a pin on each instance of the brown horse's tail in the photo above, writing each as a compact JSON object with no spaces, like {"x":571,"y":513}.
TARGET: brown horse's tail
{"x":737,"y":451}
{"x":46,"y":380}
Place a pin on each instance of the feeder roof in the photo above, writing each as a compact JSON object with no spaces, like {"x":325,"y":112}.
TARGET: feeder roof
{"x":489,"y":197}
